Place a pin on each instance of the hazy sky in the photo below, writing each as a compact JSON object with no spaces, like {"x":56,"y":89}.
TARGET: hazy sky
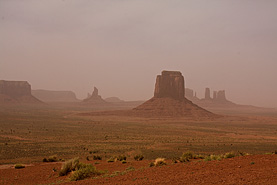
{"x":120,"y":46}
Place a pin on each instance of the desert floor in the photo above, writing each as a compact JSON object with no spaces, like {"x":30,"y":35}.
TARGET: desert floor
{"x":29,"y":134}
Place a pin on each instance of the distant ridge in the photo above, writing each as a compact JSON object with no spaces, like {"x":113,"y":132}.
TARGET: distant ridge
{"x":55,"y":96}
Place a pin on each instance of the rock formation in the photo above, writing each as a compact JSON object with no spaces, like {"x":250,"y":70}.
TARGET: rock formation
{"x":55,"y":96}
{"x":15,"y":92}
{"x":218,"y":100}
{"x":214,"y":95}
{"x":95,"y":99}
{"x":207,"y":94}
{"x":170,"y":84}
{"x":169,"y":99}
{"x":221,"y":96}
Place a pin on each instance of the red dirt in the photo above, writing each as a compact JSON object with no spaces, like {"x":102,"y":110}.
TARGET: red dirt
{"x":256,"y":169}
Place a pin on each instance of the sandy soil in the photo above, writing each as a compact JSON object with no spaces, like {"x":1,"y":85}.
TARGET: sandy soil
{"x":254,"y":169}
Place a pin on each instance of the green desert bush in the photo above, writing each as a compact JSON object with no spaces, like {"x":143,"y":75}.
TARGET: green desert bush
{"x":80,"y":170}
{"x":139,"y":157}
{"x":186,"y":156}
{"x":124,"y":162}
{"x":84,"y":171}
{"x":69,"y":166}
{"x":19,"y":166}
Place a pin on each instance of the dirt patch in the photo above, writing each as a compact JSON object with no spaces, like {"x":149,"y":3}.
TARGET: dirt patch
{"x":256,"y":169}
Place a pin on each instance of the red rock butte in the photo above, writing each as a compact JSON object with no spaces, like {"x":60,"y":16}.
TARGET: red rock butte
{"x":14,"y":92}
{"x":169,"y":99}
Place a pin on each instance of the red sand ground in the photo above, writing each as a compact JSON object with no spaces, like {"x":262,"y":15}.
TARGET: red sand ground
{"x":256,"y":169}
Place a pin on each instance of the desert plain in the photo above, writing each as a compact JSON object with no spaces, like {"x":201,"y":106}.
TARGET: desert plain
{"x":31,"y":133}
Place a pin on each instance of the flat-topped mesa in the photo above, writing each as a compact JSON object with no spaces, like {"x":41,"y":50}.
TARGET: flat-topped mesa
{"x":170,"y":84}
{"x":16,"y":92}
{"x":15,"y":88}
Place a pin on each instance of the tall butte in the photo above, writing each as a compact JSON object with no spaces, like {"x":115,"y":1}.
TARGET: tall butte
{"x":169,"y":99}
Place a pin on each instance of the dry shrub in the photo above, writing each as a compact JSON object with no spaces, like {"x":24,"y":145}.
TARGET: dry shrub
{"x":158,"y":162}
{"x":69,"y":166}
{"x":186,"y":156}
{"x":84,"y":171}
{"x":80,"y":170}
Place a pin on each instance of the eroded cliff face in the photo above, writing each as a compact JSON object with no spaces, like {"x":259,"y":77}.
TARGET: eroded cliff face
{"x":170,"y":84}
{"x":16,"y":92}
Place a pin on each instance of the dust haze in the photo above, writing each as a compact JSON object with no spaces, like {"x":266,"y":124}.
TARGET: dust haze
{"x":120,"y":46}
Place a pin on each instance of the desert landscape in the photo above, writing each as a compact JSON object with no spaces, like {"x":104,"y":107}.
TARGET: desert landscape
{"x":197,"y":146}
{"x":138,"y":92}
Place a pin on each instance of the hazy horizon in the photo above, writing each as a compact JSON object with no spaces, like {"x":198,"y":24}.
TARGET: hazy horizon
{"x":121,"y":46}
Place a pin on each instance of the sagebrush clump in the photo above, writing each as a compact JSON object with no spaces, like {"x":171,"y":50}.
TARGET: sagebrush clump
{"x":69,"y":166}
{"x":84,"y":171}
{"x":80,"y":170}
{"x":187,"y":156}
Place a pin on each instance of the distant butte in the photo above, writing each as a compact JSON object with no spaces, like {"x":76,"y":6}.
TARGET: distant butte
{"x":217,"y":100}
{"x":169,"y":99}
{"x":94,"y":98}
{"x":16,"y":92}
